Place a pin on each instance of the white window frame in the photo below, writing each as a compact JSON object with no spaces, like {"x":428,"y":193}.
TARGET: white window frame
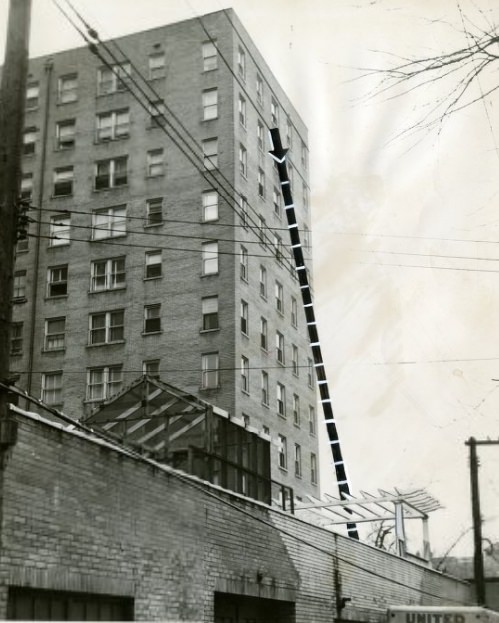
{"x":112,"y":329}
{"x":209,"y":312}
{"x":113,"y":270}
{"x":313,"y":468}
{"x":241,"y":62}
{"x":55,"y":337}
{"x":65,"y":133}
{"x":261,"y":183}
{"x":152,"y":319}
{"x":294,"y":359}
{"x":245,"y":374}
{"x":263,"y":282}
{"x":264,"y":338}
{"x":115,"y":173}
{"x":113,"y":79}
{"x":16,"y":339}
{"x":59,"y":230}
{"x":210,"y":55}
{"x":209,"y":252}
{"x":153,"y":264}
{"x":294,"y":312}
{"x":259,"y":89}
{"x":109,"y":222}
{"x":244,"y":318}
{"x":279,"y":347}
{"x":243,"y":263}
{"x":242,"y":110}
{"x":260,"y":135}
{"x":112,"y":125}
{"x":157,"y":111}
{"x":19,"y":287}
{"x":265,"y":388}
{"x":279,"y":297}
{"x":210,"y":205}
{"x":110,"y":382}
{"x":154,"y":212}
{"x":296,"y":410}
{"x":210,"y":365}
{"x":298,"y":462}
{"x":243,"y":160}
{"x":281,"y":399}
{"x":151,"y":363}
{"x":61,"y":282}
{"x":282,"y":451}
{"x":156,"y":65}
{"x":210,"y":104}
{"x":32,"y":95}
{"x":51,"y":390}
{"x":210,"y":153}
{"x":312,"y":421}
{"x":63,"y":181}
{"x":274,"y":113}
{"x":26,"y":186}
{"x":67,"y":88}
{"x":29,"y":141}
{"x":243,"y":205}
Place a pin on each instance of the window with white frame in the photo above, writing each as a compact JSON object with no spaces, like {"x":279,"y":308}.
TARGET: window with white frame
{"x":311,"y":420}
{"x":274,"y":113}
{"x":151,"y":368}
{"x":32,"y":95}
{"x":157,"y":110}
{"x":154,"y":211}
{"x":291,"y":175}
{"x":111,"y":173}
{"x":243,"y":205}
{"x":209,"y":251}
{"x":106,"y":327}
{"x":260,"y":135}
{"x":242,"y":110}
{"x":153,"y":268}
{"x":209,"y":309}
{"x":262,"y":226}
{"x":241,"y":62}
{"x":263,"y":282}
{"x":259,"y":89}
{"x":109,"y":222}
{"x":209,"y":50}
{"x":245,"y":374}
{"x":296,"y":410}
{"x":279,"y":347}
{"x":19,"y":289}
{"x":279,"y":297}
{"x":52,"y":388}
{"x":282,"y":445}
{"x":156,"y":65}
{"x":65,"y":132}
{"x":107,"y":274}
{"x":210,"y":104}
{"x":63,"y":181}
{"x":289,"y":133}
{"x":210,"y":153}
{"x":264,"y":343}
{"x":277,"y":200}
{"x":310,"y":372}
{"x":57,"y":281}
{"x":113,"y":78}
{"x":313,"y":468}
{"x":304,"y":190}
{"x":294,"y":312}
{"x":243,"y":263}
{"x":113,"y":125}
{"x":294,"y":359}
{"x":281,"y":400}
{"x":265,"y":388}
{"x":60,"y":229}
{"x":16,"y":338}
{"x":304,"y":155}
{"x":209,"y":367}
{"x":297,"y":460}
{"x":277,"y":245}
{"x":244,"y":318}
{"x":152,"y":318}
{"x":104,"y":382}
{"x":243,"y":160}
{"x":210,"y":205}
{"x":67,"y":89}
{"x":261,"y":183}
{"x":29,"y":141}
{"x":155,"y":163}
{"x":26,"y":186}
{"x":55,"y":333}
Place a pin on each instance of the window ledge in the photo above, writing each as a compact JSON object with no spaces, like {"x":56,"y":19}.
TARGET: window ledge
{"x":208,"y":389}
{"x":56,"y":298}
{"x":152,"y":278}
{"x":105,"y":344}
{"x":283,"y":469}
{"x":103,"y":190}
{"x":120,"y":289}
{"x":151,"y":177}
{"x":209,"y":330}
{"x":19,"y":299}
{"x":281,"y":415}
{"x":152,"y":332}
{"x":245,"y":392}
{"x":53,"y":350}
{"x":60,"y":196}
{"x":210,"y":274}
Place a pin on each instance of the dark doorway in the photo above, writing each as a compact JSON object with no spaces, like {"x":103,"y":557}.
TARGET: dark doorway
{"x":231,"y":608}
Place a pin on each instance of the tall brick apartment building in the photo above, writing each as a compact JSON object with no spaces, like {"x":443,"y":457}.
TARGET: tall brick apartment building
{"x":142,"y":260}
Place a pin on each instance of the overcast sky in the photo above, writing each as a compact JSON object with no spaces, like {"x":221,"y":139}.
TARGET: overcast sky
{"x":405,"y":232}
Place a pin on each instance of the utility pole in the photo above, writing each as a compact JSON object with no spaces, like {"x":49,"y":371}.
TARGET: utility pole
{"x":12,"y":104}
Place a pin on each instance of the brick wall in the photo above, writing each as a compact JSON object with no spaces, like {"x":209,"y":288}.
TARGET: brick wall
{"x":79,"y":515}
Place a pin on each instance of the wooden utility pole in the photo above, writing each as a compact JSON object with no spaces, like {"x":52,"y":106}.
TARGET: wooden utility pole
{"x":479,"y":575}
{"x":12,"y":104}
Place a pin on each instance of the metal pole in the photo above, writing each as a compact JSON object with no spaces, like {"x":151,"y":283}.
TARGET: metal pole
{"x":477,"y":524}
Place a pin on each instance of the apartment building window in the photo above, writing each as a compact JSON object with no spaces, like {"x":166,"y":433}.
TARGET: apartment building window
{"x":281,"y":400}
{"x":210,"y":104}
{"x":263,"y":334}
{"x":290,"y":175}
{"x":32,"y":95}
{"x":57,"y":281}
{"x":279,"y":346}
{"x":111,"y":173}
{"x":297,"y":460}
{"x":26,"y":186}
{"x":243,"y":263}
{"x":19,"y":290}
{"x":282,"y":451}
{"x":109,"y":222}
{"x":243,"y":161}
{"x":67,"y":89}
{"x":104,"y":382}
{"x":242,"y":110}
{"x":210,"y":205}
{"x":63,"y":181}
{"x":209,"y":309}
{"x":156,"y":65}
{"x":60,"y":230}
{"x":261,"y":183}
{"x":262,"y":226}
{"x":306,"y":237}
{"x":210,"y":153}
{"x":106,"y":327}
{"x":313,"y":468}
{"x":210,"y":258}
{"x":289,"y":133}
{"x":277,"y":245}
{"x":151,"y":368}
{"x":241,"y":62}
{"x":279,"y":297}
{"x":209,"y":366}
{"x":274,"y":113}
{"x":243,"y":205}
{"x":209,"y":49}
{"x":154,"y":211}
{"x":55,"y":333}
{"x":112,"y":79}
{"x":311,"y":420}
{"x":152,"y":318}
{"x":296,"y":410}
{"x":65,"y":132}
{"x":310,"y":372}
{"x":259,"y":89}
{"x":263,"y":282}
{"x":244,"y":318}
{"x":265,"y":388}
{"x":157,"y":110}
{"x":16,"y":338}
{"x":52,"y":388}
{"x":113,"y":125}
{"x":277,"y":201}
{"x":29,"y":141}
{"x":304,"y":155}
{"x":294,"y":359}
{"x":305,"y":196}
{"x":294,"y":312}
{"x":153,"y":264}
{"x":155,"y":163}
{"x":245,"y":374}
{"x":260,"y":140}
{"x":107,"y":274}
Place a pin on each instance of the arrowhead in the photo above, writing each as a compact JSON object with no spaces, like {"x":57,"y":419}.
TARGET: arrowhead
{"x":279,"y":155}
